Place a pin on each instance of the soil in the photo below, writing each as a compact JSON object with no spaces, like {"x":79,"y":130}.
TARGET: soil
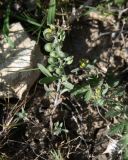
{"x":34,"y":139}
{"x":83,"y":135}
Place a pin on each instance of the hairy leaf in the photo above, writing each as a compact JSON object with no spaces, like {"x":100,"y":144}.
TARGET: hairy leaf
{"x":44,"y":70}
{"x":68,"y":85}
{"x":88,"y":94}
{"x":118,"y":128}
{"x":47,"y":80}
{"x":78,"y":90}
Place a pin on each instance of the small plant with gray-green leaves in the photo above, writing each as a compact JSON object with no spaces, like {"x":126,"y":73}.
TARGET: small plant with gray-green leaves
{"x":96,"y":90}
{"x":57,"y":61}
{"x":58,"y":128}
{"x":56,"y":155}
{"x":107,"y":93}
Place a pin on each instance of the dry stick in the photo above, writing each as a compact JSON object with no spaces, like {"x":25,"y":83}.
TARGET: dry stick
{"x":39,"y":156}
{"x":57,"y":97}
{"x":101,"y":114}
{"x":121,"y":12}
{"x":76,"y":13}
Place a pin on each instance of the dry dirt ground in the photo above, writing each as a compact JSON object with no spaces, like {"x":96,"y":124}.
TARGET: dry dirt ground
{"x":34,"y":139}
{"x":84,"y":131}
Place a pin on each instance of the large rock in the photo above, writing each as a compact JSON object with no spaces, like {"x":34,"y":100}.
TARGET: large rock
{"x":14,"y":80}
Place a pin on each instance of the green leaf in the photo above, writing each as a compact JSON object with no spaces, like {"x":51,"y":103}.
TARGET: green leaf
{"x":99,"y":102}
{"x":117,"y":128}
{"x":44,"y":70}
{"x":64,"y":90}
{"x":68,"y":85}
{"x":88,"y":94}
{"x":83,"y":90}
{"x":105,"y":90}
{"x":9,"y":41}
{"x":47,"y":80}
{"x":94,"y":80}
{"x":30,"y":20}
{"x":120,"y":91}
{"x":125,"y":153}
{"x":112,"y":113}
{"x":6,"y":26}
{"x":112,"y":80}
{"x":119,"y":2}
{"x":22,"y":114}
{"x":124,"y":139}
{"x":51,"y":12}
{"x":75,"y":70}
{"x":78,"y":90}
{"x":6,"y":21}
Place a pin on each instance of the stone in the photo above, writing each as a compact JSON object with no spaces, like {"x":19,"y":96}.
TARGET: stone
{"x":16,"y":63}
